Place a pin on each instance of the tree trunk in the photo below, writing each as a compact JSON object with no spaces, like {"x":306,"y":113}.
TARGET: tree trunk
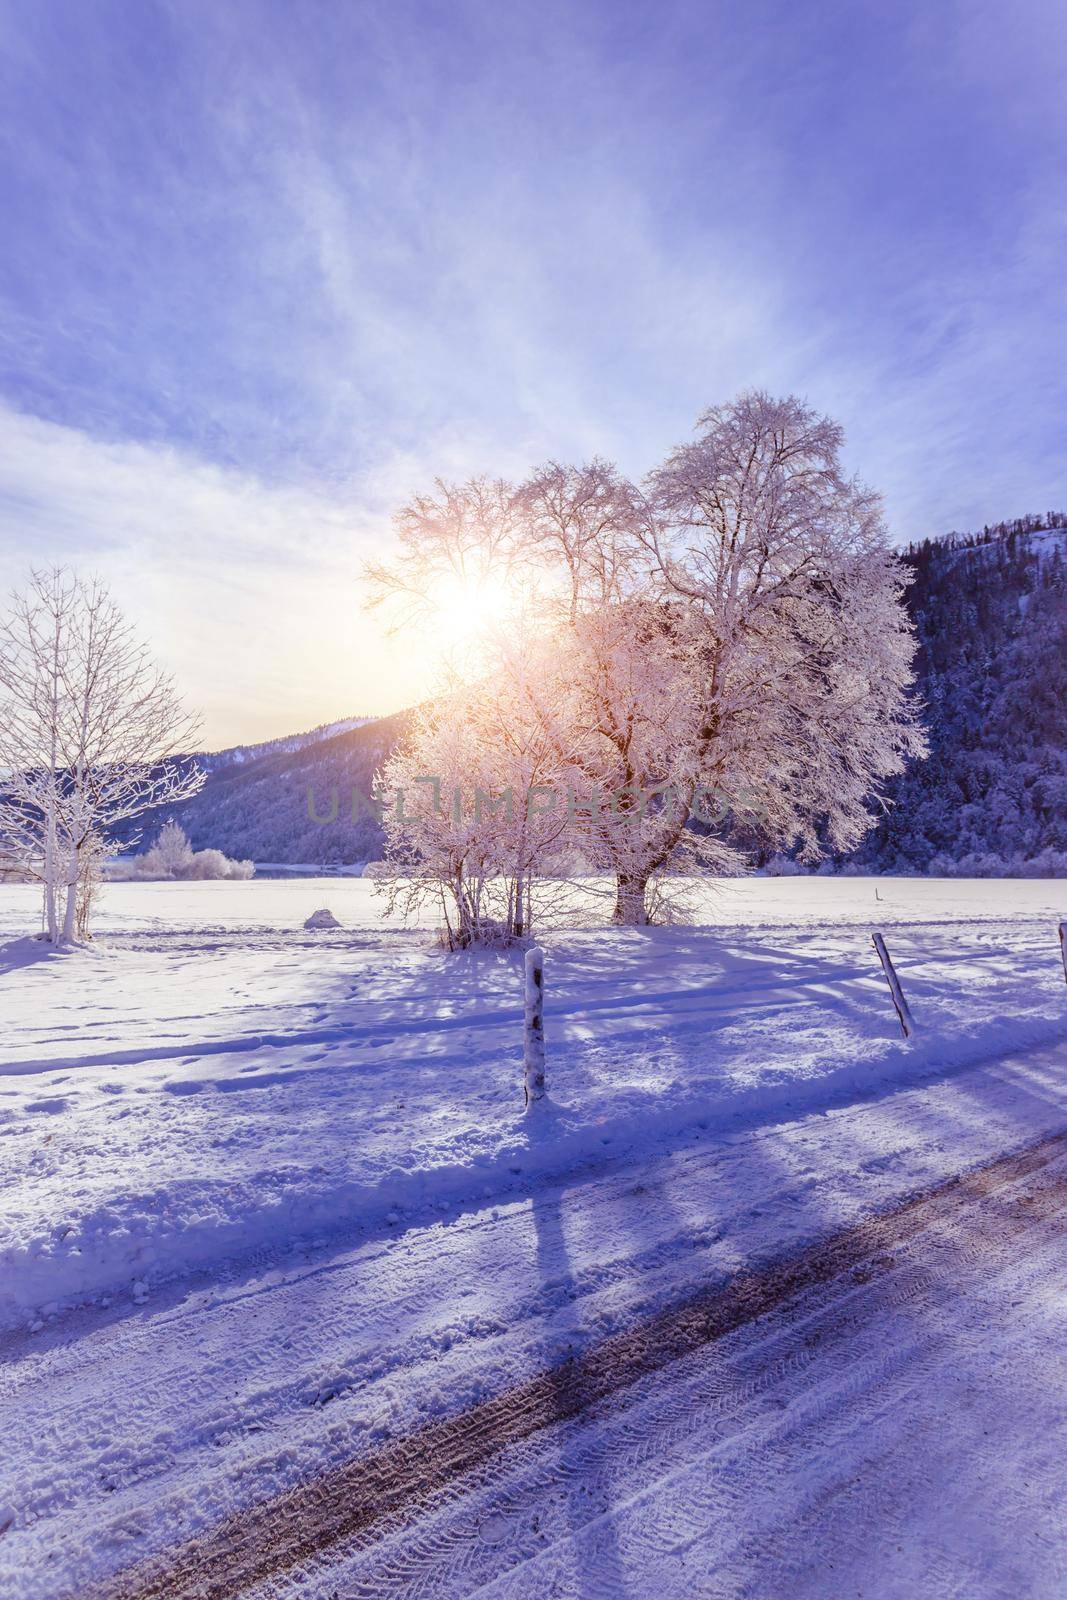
{"x":72,"y":898}
{"x":630,"y":907}
{"x":51,"y":920}
{"x":521,"y":923}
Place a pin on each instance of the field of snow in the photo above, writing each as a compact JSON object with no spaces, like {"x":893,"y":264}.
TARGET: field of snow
{"x":211,"y":1080}
{"x":270,"y":1201}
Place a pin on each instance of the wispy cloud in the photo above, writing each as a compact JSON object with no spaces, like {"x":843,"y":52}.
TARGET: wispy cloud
{"x":251,"y":593}
{"x":268,"y":268}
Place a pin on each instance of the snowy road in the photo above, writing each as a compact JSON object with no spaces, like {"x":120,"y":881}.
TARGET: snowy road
{"x":869,"y":1417}
{"x":896,"y":1429}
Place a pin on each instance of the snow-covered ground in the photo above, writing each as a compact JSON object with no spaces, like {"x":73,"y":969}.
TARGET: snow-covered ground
{"x":212,"y":1079}
{"x":269,"y":1196}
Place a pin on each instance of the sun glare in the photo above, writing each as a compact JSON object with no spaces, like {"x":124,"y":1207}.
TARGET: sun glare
{"x":467,"y":610}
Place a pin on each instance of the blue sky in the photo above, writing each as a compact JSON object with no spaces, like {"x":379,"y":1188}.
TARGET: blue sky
{"x":269,"y":266}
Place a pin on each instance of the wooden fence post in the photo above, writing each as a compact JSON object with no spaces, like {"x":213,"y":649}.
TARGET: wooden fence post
{"x":907,"y":1022}
{"x":533,"y":1055}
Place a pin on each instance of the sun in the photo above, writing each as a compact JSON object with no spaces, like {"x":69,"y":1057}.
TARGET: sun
{"x":466,"y":611}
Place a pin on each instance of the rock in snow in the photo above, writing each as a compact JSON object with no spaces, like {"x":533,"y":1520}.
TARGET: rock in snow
{"x":322,"y":919}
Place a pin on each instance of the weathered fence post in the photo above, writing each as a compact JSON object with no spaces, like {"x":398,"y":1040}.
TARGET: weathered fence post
{"x":533,"y":1055}
{"x":907,"y":1022}
{"x":1063,"y":948}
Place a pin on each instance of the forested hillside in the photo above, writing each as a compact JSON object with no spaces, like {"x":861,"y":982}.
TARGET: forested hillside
{"x":259,"y":809}
{"x":991,"y":614}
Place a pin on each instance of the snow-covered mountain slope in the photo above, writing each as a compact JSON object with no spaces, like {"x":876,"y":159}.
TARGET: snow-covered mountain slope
{"x":240,"y":754}
{"x":290,"y":804}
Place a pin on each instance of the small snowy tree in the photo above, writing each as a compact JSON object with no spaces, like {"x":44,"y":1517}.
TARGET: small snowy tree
{"x":476,"y":811}
{"x":35,"y":658}
{"x":213,"y":863}
{"x":89,"y":729}
{"x":173,"y":849}
{"x":172,"y":856}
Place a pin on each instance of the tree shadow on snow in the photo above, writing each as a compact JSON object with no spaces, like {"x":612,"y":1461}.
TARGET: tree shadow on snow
{"x":18,"y":954}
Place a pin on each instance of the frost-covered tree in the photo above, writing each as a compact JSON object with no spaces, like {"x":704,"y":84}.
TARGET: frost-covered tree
{"x":633,"y":657}
{"x":172,"y":848}
{"x":35,"y":658}
{"x":475,"y":798}
{"x":732,"y":639}
{"x":805,"y":651}
{"x":211,"y":863}
{"x":172,"y":856}
{"x":742,"y":655}
{"x":89,"y":729}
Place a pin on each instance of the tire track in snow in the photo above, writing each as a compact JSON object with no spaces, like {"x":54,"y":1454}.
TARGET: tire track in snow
{"x":716,"y":1455}
{"x":971,"y":1217}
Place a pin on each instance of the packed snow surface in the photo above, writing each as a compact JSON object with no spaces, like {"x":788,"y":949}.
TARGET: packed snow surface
{"x":270,"y":1199}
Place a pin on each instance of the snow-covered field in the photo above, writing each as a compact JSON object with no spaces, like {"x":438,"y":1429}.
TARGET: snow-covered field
{"x":212,"y":1079}
{"x":269,"y":1197}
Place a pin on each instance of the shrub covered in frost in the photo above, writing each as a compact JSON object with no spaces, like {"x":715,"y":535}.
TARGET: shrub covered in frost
{"x":172,"y":857}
